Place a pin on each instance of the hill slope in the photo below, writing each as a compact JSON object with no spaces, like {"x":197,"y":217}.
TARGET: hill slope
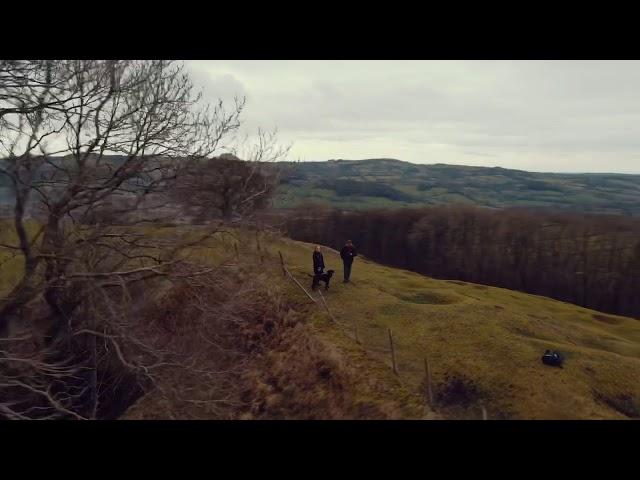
{"x":484,"y":344}
{"x":374,"y":183}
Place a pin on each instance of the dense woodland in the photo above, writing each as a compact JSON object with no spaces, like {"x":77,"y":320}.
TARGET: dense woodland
{"x":589,"y":260}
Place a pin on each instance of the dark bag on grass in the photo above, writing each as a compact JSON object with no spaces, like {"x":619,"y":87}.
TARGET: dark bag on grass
{"x":554,"y":359}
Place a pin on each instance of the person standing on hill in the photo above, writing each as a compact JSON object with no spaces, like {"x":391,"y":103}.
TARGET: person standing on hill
{"x":347,"y":253}
{"x":318,"y":261}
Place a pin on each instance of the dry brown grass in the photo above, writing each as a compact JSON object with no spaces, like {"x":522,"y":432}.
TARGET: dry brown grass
{"x":271,"y":363}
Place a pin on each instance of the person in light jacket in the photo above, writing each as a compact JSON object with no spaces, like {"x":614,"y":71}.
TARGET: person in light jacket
{"x":318,"y":261}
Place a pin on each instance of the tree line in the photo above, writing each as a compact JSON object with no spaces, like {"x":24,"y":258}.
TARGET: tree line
{"x":589,"y":260}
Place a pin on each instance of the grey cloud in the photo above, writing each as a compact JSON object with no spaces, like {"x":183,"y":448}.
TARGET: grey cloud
{"x":582,"y":115}
{"x":224,"y":86}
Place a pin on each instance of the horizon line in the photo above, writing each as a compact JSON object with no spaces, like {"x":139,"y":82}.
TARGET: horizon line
{"x":465,"y":165}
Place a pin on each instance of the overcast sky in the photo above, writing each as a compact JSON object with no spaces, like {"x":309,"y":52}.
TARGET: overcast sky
{"x":560,"y":116}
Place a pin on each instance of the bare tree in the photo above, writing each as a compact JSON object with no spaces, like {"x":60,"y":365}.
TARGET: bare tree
{"x":92,"y":150}
{"x":227,"y":187}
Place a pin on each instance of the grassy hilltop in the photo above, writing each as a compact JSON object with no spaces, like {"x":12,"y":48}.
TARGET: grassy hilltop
{"x":483,"y":344}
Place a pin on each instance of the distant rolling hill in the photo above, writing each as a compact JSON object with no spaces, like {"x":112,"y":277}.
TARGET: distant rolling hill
{"x":388,"y":183}
{"x":374,"y":183}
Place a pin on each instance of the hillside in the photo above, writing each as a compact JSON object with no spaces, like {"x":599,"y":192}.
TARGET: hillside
{"x":373,"y":183}
{"x":483,"y":345}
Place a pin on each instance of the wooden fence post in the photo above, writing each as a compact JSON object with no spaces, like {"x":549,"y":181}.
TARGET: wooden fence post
{"x":427,"y":373}
{"x":393,"y":352}
{"x":284,"y":270}
{"x":484,"y":412}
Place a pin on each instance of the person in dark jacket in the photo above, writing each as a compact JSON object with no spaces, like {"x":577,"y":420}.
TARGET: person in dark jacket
{"x":318,"y":261}
{"x":348,"y":253}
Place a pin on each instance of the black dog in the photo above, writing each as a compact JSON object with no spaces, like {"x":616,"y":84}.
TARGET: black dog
{"x":322,"y":277}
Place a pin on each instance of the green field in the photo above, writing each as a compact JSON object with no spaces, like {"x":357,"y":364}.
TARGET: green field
{"x":379,"y":183}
